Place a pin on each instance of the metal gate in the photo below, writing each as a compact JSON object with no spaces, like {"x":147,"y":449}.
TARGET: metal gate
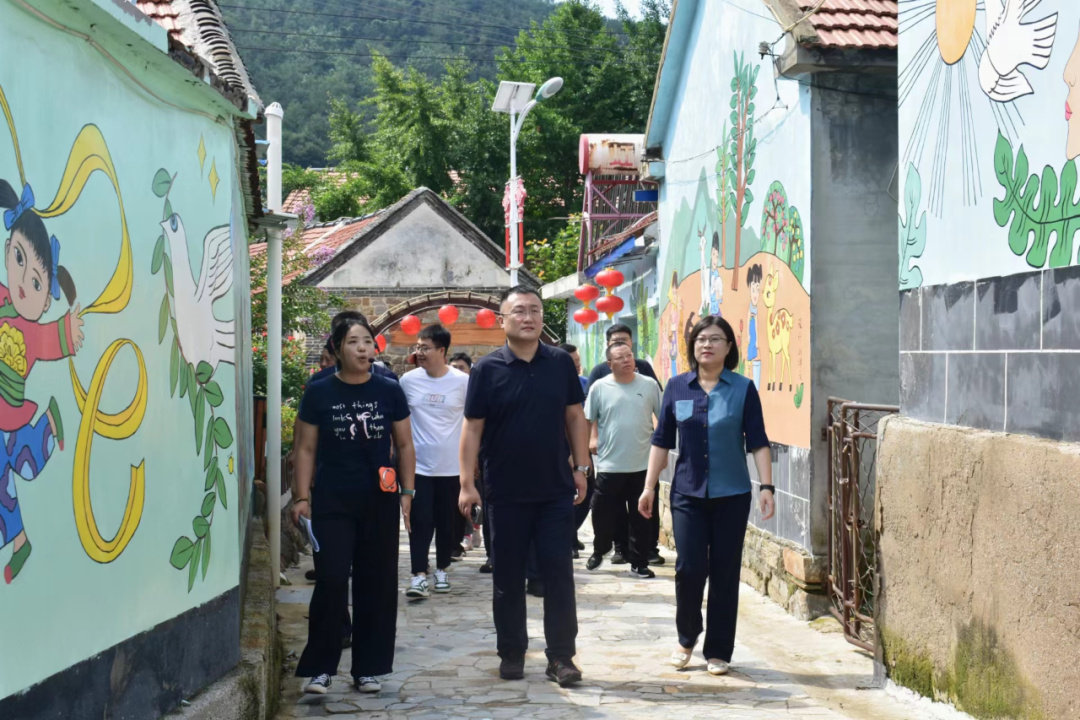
{"x":852,"y":436}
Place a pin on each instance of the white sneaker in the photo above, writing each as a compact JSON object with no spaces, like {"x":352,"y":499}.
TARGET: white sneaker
{"x":442,"y":582}
{"x":466,"y":542}
{"x":368,"y":685}
{"x":319,"y":685}
{"x":419,"y":588}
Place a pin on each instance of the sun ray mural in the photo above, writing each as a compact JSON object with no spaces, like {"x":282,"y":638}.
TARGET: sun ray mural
{"x":968,"y":57}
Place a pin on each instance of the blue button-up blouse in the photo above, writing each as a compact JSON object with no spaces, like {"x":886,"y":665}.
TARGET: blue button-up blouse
{"x":724,"y":424}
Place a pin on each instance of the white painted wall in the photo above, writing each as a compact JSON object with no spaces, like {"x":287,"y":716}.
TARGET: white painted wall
{"x":422,"y":250}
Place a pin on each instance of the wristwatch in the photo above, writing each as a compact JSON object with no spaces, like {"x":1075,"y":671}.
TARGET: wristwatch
{"x":582,"y":469}
{"x":406,"y":491}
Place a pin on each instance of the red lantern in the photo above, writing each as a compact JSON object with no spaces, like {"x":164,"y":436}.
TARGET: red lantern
{"x":410,"y":325}
{"x":587,"y":293}
{"x":448,"y":314}
{"x":380,"y":342}
{"x":586,"y":316}
{"x":610,"y":304}
{"x":485,"y":318}
{"x":610,"y":279}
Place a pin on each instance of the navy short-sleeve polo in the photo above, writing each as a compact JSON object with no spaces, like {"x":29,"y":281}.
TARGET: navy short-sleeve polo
{"x":523,"y":406}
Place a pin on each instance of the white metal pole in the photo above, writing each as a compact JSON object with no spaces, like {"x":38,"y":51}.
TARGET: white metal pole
{"x":274,"y":115}
{"x":514,"y":259}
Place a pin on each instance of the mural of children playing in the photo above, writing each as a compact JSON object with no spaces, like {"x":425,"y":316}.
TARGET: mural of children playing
{"x":716,"y":283}
{"x":34,"y":279}
{"x":753,"y":362}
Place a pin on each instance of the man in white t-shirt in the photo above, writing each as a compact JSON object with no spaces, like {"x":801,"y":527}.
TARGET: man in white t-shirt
{"x":436,"y":395}
{"x":621,"y":408}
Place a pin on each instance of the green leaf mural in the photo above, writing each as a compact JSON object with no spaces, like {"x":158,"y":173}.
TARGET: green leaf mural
{"x":781,"y":229}
{"x":742,"y":146}
{"x":1036,"y":209}
{"x":204,"y":394}
{"x":912,"y":232}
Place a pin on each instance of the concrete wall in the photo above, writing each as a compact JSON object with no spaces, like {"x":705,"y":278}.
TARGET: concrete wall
{"x":421,"y":250}
{"x":854,"y":344}
{"x":115,"y":602}
{"x":978,"y":538}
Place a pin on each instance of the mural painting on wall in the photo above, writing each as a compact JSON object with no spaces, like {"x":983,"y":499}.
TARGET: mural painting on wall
{"x":36,"y":283}
{"x":1026,"y":72}
{"x":754,"y":279}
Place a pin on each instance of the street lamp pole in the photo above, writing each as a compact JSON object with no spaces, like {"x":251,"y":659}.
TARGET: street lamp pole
{"x":516,"y":99}
{"x":515,"y":261}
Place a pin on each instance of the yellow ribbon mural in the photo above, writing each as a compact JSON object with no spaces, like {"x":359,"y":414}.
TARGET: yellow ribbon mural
{"x":90,"y":154}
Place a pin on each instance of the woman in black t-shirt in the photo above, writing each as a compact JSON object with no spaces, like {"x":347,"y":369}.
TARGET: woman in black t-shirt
{"x":343,"y":441}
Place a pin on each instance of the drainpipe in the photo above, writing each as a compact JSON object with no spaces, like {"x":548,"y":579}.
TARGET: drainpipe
{"x":274,"y":115}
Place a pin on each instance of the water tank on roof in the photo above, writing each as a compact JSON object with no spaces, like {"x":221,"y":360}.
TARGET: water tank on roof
{"x":610,"y":154}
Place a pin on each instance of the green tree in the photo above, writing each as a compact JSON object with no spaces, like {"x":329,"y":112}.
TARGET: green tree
{"x":743,"y":148}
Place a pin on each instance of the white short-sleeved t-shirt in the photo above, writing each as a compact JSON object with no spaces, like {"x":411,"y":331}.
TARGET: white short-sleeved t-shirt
{"x":438,"y":411}
{"x":625,"y":415}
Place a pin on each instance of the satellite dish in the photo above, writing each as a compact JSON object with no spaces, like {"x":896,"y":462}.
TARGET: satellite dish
{"x":549,"y":88}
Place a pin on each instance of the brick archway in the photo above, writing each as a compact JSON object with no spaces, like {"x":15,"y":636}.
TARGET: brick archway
{"x":463,"y":300}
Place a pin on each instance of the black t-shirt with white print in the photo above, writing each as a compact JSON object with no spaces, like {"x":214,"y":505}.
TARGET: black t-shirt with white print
{"x":355,"y":428}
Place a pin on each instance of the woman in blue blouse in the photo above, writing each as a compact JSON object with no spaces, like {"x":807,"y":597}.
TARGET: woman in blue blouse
{"x":716,"y":415}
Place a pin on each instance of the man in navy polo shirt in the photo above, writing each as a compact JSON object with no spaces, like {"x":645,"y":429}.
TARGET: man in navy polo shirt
{"x":524,"y":402}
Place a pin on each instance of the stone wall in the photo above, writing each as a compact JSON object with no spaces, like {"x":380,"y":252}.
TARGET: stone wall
{"x":978,"y":538}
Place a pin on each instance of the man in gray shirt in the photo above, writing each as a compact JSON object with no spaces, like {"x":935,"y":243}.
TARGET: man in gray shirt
{"x":620,"y":409}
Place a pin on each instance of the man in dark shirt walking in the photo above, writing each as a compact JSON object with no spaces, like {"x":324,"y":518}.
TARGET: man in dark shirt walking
{"x":524,"y":401}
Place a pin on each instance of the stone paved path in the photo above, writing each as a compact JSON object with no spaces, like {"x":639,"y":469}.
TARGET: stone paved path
{"x":446,"y":666}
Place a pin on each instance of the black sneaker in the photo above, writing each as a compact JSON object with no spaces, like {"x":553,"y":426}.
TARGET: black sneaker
{"x":310,"y":575}
{"x":642,"y":572}
{"x":563,"y":672}
{"x":319,"y":685}
{"x":655,"y":558}
{"x":578,"y":545}
{"x":577,"y":554}
{"x":486,"y":568}
{"x":512,"y":669}
{"x":618,"y":558}
{"x":535,"y":588}
{"x":594,"y":562}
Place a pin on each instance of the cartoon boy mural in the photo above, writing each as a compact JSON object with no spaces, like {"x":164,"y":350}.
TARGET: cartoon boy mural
{"x":34,"y":279}
{"x":716,"y":284}
{"x":753,"y":364}
{"x":672,"y":343}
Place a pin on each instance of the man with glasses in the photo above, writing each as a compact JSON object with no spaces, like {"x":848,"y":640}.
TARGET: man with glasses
{"x":619,"y":333}
{"x":524,"y":403}
{"x":436,"y":395}
{"x":621,"y":408}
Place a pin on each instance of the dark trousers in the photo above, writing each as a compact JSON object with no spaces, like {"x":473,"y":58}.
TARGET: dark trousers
{"x":616,"y":499}
{"x":582,"y":511}
{"x":549,"y":528}
{"x":709,"y":539}
{"x":366,"y":541}
{"x":435,"y":513}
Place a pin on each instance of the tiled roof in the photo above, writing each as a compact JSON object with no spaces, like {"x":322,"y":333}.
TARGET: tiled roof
{"x":324,"y":240}
{"x":854,"y":23}
{"x":297,"y":201}
{"x":164,"y":14}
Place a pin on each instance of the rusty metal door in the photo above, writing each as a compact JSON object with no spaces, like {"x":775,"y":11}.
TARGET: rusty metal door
{"x":852,"y":564}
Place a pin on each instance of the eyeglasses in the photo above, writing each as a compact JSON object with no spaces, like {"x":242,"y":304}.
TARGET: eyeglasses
{"x":519,"y":313}
{"x":703,"y":340}
{"x":422,"y":349}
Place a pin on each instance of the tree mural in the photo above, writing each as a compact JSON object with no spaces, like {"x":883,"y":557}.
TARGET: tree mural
{"x":723,"y":200}
{"x":1032,"y":208}
{"x":781,"y":230}
{"x":742,"y":148}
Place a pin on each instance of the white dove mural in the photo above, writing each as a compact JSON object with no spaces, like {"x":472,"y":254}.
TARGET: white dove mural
{"x":202,"y":336}
{"x":1010,"y":43}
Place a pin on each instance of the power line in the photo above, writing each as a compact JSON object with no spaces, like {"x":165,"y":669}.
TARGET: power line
{"x":587,"y":50}
{"x":426,"y":57}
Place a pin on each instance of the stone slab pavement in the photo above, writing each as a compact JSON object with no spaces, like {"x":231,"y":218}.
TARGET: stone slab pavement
{"x":446,"y":666}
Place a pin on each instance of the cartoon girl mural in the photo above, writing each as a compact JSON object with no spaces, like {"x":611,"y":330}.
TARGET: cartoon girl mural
{"x":1072,"y":103}
{"x":34,"y":279}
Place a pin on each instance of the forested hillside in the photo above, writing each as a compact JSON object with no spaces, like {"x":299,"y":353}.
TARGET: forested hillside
{"x":302,"y":52}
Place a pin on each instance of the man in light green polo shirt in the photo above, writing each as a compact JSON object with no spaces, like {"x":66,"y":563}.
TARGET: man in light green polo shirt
{"x":621,"y":408}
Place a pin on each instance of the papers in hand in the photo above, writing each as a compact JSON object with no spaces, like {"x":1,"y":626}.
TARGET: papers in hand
{"x":305,"y":525}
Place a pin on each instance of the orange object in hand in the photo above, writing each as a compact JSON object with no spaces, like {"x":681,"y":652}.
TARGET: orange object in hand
{"x":388,"y":480}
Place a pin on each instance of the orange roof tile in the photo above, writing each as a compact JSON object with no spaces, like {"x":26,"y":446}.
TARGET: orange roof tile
{"x":854,"y":23}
